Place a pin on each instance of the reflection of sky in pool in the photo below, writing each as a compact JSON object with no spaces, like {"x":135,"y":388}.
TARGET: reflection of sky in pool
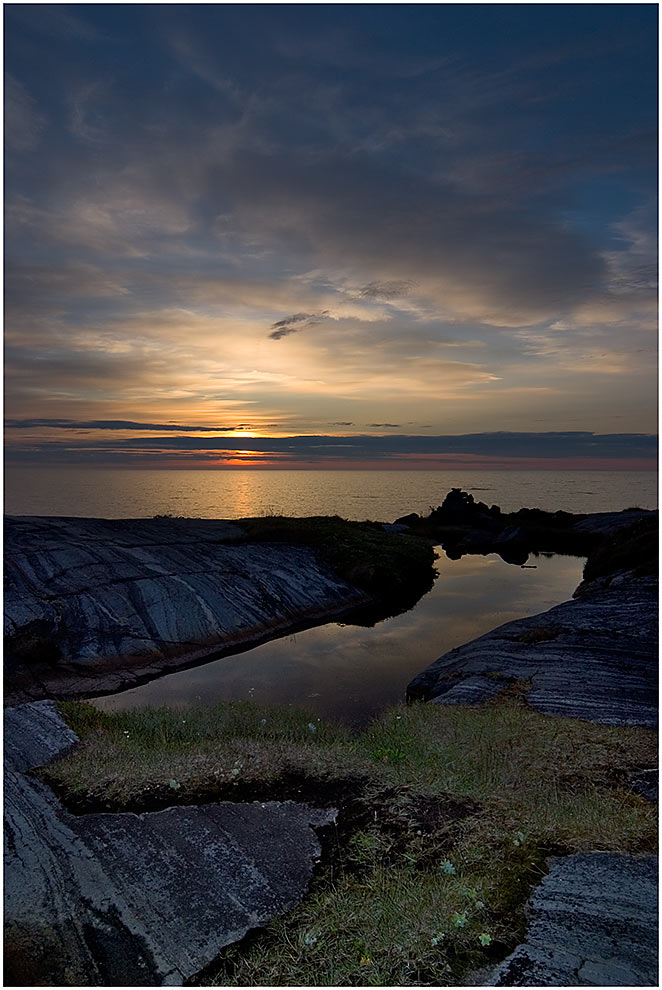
{"x":351,"y":672}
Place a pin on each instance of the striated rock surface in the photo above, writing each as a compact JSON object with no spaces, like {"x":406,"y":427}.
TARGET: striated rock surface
{"x":94,"y":594}
{"x":593,"y":658}
{"x":593,"y":923}
{"x":135,"y":900}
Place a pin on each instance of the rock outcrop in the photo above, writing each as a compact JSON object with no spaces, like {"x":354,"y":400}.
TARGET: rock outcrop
{"x":464,"y":526}
{"x":593,"y":658}
{"x":93,"y":605}
{"x":593,"y":922}
{"x":135,"y":900}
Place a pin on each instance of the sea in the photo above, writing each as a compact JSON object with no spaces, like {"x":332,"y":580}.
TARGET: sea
{"x":115,"y":493}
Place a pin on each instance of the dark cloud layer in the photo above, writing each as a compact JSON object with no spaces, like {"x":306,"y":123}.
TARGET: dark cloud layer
{"x":510,"y":445}
{"x":111,"y":424}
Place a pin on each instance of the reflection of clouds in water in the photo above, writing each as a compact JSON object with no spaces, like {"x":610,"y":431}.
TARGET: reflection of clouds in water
{"x":345,"y":671}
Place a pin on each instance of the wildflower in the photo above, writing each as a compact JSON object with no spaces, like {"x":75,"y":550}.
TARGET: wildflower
{"x":484,"y":938}
{"x":235,"y":771}
{"x":459,"y":920}
{"x":312,"y":728}
{"x":448,"y":868}
{"x":519,"y":839}
{"x":310,"y":939}
{"x":365,"y":961}
{"x":174,"y":784}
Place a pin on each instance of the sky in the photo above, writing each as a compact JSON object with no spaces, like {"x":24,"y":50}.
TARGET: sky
{"x":338,"y":235}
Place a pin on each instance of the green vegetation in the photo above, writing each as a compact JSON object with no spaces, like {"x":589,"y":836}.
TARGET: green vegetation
{"x":446,"y":815}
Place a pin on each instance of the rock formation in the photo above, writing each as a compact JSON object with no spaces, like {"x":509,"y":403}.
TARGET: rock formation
{"x":135,"y":900}
{"x":593,"y":658}
{"x":593,"y":922}
{"x":121,"y":599}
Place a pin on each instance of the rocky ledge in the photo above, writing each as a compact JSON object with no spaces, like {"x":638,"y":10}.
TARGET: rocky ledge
{"x":593,"y":658}
{"x":135,"y":900}
{"x":93,"y":605}
{"x":593,"y":922}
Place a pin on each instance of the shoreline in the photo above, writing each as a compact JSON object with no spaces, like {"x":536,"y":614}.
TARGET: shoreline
{"x":93,"y":606}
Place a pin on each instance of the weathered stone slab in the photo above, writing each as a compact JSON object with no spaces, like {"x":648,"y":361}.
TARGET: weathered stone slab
{"x":593,"y":922}
{"x":135,"y":900}
{"x":608,"y":523}
{"x":593,"y":658}
{"x":90,"y":594}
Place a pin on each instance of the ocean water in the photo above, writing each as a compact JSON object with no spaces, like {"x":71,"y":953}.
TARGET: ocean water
{"x":350,"y":673}
{"x":379,"y":495}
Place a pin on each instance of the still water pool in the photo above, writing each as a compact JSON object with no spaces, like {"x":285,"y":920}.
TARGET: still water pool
{"x":351,"y":673}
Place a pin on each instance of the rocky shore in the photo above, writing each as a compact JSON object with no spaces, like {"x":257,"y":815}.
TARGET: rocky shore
{"x":594,"y":657}
{"x":150,"y":899}
{"x":93,"y":606}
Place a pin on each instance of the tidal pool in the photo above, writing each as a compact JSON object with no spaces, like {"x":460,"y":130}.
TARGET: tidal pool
{"x":351,"y":673}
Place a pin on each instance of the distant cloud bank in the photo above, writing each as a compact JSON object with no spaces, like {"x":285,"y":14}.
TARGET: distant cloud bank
{"x":322,"y":450}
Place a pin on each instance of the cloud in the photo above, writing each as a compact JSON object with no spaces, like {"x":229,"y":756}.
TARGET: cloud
{"x":23,"y":123}
{"x":388,"y":289}
{"x":114,"y":424}
{"x":541,"y":446}
{"x":467,"y":255}
{"x":284,"y":327}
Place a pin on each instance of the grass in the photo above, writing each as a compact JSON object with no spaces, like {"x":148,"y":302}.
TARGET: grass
{"x":446,"y":816}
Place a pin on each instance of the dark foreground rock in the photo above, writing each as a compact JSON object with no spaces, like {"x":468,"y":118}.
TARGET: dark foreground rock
{"x":593,"y":922}
{"x":593,"y":658}
{"x":135,"y":900}
{"x":93,"y":605}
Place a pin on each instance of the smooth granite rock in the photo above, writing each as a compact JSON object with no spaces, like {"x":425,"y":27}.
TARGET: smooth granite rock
{"x":93,"y":594}
{"x":593,"y":658}
{"x":593,"y":922}
{"x":135,"y":900}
